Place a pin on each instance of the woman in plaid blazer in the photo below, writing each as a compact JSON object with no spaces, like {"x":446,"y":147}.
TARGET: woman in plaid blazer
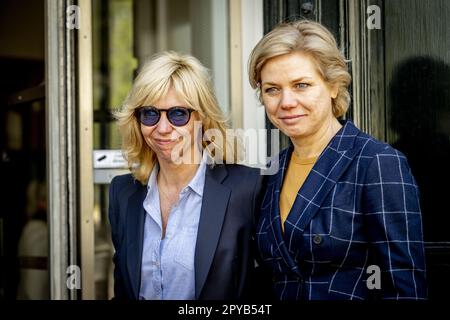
{"x":353,"y":229}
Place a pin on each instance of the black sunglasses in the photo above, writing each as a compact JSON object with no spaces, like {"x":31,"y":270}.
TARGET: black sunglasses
{"x":149,"y":116}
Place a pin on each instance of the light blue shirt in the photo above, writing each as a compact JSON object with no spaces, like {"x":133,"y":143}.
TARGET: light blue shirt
{"x":167,"y":271}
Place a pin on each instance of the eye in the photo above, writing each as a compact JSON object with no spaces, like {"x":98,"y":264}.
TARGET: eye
{"x":150,"y":112}
{"x":302,"y":85}
{"x":178,"y":112}
{"x":271,"y":90}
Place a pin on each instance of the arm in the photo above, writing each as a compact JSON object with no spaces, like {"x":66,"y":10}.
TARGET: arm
{"x":261,"y":277}
{"x":119,"y":292}
{"x":394,"y":226}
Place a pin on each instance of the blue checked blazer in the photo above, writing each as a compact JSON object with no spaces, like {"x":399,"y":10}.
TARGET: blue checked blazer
{"x":359,"y":206}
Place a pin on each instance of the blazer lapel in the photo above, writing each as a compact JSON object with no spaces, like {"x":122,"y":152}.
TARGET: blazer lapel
{"x":275,"y":222}
{"x":325,"y":173}
{"x":214,"y":206}
{"x":135,"y":237}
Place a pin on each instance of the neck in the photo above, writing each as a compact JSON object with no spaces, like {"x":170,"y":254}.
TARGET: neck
{"x":175,"y":176}
{"x":313,"y":145}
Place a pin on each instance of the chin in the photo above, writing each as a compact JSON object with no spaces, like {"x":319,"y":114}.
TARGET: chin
{"x":165,"y":155}
{"x":295,"y":134}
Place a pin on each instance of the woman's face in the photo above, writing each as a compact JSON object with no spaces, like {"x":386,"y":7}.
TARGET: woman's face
{"x":296,"y":98}
{"x":165,"y":139}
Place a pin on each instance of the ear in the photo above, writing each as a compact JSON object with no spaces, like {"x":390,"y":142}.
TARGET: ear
{"x":334,"y":91}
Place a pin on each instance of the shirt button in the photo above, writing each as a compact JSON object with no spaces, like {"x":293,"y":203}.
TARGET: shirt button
{"x":317,"y":239}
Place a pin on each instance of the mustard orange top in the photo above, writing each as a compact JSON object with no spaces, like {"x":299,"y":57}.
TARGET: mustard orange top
{"x":296,"y":175}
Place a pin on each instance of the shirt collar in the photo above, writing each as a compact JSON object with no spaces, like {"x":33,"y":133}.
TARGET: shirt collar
{"x":152,"y":180}
{"x":198,"y":181}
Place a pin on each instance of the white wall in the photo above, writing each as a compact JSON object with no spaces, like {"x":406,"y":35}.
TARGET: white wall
{"x":252,"y":32}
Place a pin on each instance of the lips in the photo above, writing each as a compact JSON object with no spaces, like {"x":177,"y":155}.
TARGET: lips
{"x":164,"y":142}
{"x":292,"y":118}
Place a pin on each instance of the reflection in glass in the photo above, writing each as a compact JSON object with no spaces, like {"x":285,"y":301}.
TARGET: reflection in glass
{"x":420,"y":102}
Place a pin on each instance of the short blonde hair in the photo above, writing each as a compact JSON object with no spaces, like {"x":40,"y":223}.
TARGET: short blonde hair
{"x":311,"y":38}
{"x":192,"y":83}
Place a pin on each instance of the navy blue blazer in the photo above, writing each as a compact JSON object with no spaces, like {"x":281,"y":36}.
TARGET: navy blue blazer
{"x":224,"y":252}
{"x":358,"y":207}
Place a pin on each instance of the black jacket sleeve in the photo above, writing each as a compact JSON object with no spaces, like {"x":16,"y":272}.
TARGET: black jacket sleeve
{"x":119,"y":292}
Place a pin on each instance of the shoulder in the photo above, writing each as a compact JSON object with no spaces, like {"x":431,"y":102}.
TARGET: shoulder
{"x":120,"y":190}
{"x":374,"y":148}
{"x":382,"y":162}
{"x":242,"y":175}
{"x":123,"y":182}
{"x":350,"y":138}
{"x":242,"y":170}
{"x":245,"y":182}
{"x":368,"y":156}
{"x":123,"y":179}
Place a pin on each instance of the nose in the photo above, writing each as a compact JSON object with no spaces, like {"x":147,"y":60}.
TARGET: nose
{"x":164,"y":125}
{"x":288,"y":99}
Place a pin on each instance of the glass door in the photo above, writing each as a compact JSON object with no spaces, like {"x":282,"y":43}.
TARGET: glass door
{"x":24,"y":228}
{"x":402,"y":96}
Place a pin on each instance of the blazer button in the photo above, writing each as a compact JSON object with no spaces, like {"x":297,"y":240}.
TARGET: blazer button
{"x":317,"y":239}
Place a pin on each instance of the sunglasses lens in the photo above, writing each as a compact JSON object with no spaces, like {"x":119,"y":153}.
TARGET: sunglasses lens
{"x":149,"y":116}
{"x":178,"y":116}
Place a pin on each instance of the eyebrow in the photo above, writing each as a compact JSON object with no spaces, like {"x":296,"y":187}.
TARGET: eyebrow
{"x":292,"y":81}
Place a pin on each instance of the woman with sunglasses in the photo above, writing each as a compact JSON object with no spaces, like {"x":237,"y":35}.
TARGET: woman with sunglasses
{"x":182,"y":229}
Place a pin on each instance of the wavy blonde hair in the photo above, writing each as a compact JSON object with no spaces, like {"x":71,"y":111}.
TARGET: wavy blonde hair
{"x":311,"y":38}
{"x":192,"y":83}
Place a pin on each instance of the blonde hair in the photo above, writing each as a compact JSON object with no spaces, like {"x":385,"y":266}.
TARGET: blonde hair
{"x":191,"y":82}
{"x":311,"y":38}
